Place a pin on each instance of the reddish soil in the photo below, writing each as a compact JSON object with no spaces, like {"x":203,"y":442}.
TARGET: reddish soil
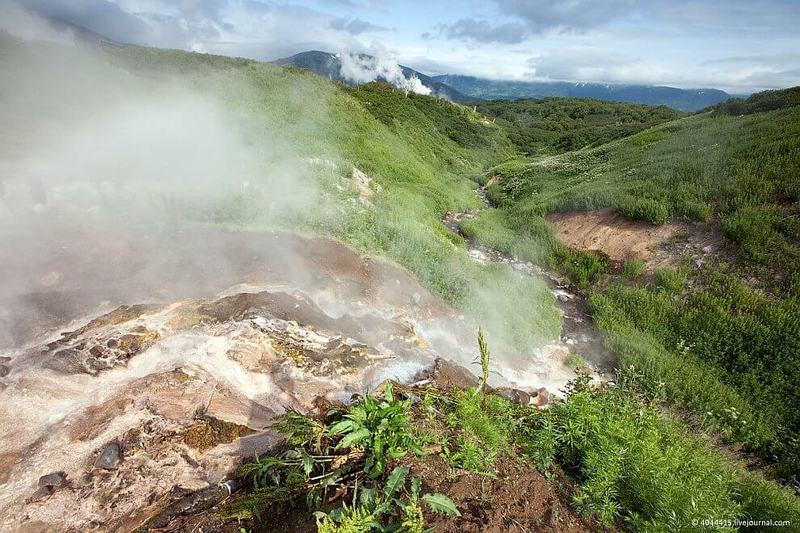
{"x":611,"y":234}
{"x":620,"y":239}
{"x":519,"y":499}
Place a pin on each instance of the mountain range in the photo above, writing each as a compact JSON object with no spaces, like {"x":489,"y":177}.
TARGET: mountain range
{"x":682,"y":99}
{"x":459,"y":88}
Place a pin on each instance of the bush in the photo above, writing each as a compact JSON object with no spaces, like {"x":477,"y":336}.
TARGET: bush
{"x":724,"y":351}
{"x":693,"y":209}
{"x":636,"y":208}
{"x":632,"y":463}
{"x":670,"y":280}
{"x":583,"y":269}
{"x":576,"y":362}
{"x":632,"y":268}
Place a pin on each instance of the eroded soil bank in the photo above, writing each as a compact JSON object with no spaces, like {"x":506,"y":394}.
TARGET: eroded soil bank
{"x":620,"y":239}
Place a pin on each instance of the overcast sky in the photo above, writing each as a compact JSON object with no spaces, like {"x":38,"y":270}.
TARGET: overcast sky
{"x":736,"y":45}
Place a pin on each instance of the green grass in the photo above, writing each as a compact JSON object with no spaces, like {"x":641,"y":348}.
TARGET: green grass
{"x":727,"y":352}
{"x":632,"y":268}
{"x":635,"y":467}
{"x":724,"y":351}
{"x":563,"y":124}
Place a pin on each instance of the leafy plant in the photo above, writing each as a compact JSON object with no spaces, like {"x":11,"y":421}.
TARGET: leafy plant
{"x":370,"y":509}
{"x":380,"y":427}
{"x":632,"y":463}
{"x":576,"y":362}
{"x":647,"y":209}
{"x":327,"y":460}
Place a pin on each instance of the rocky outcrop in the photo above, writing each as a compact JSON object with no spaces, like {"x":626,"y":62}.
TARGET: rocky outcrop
{"x":145,"y":403}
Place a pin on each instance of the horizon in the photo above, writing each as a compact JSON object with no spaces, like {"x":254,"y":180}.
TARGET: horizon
{"x":739,"y":47}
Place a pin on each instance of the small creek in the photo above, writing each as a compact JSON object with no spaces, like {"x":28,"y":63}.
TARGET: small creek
{"x":578,"y":332}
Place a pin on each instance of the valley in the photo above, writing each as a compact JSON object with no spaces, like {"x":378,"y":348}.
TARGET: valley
{"x":239,"y":295}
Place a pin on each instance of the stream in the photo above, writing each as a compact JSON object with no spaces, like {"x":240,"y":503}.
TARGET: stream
{"x":579,"y":335}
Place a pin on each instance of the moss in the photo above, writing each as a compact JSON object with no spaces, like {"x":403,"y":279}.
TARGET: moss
{"x":209,"y":432}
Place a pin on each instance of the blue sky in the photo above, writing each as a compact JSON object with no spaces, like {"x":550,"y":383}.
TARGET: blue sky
{"x":737,"y":45}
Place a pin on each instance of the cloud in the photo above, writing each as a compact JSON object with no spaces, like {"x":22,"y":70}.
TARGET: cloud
{"x":735,"y":73}
{"x":100,"y":16}
{"x":756,"y":71}
{"x":355,"y":26}
{"x":583,"y":63}
{"x":568,"y":16}
{"x":530,"y":18}
{"x":25,"y":25}
{"x":470,"y":29}
{"x":250,"y":28}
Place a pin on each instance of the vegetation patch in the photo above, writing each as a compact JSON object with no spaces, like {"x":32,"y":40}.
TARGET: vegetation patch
{"x":209,"y":431}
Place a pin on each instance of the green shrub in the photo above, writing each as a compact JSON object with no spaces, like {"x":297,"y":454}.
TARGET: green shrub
{"x":380,"y":427}
{"x":632,"y":268}
{"x":760,"y":102}
{"x":670,"y":280}
{"x":575,"y":362}
{"x":583,"y":269}
{"x":725,"y":351}
{"x":693,"y":209}
{"x":636,"y":208}
{"x":766,"y":500}
{"x":632,"y":463}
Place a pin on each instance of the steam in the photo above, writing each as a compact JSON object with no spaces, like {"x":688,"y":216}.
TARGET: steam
{"x":19,"y":22}
{"x":108,"y":173}
{"x":362,"y":68}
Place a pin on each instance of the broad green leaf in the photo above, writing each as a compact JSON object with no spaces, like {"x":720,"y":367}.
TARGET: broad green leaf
{"x":308,"y":464}
{"x":353,"y":438}
{"x":389,"y":392}
{"x":439,"y":503}
{"x":395,"y":480}
{"x":343,"y":426}
{"x":367,"y":497}
{"x":415,"y":487}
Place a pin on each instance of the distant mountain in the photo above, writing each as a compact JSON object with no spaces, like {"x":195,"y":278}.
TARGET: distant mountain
{"x":682,"y":99}
{"x":83,"y":35}
{"x":329,"y":66}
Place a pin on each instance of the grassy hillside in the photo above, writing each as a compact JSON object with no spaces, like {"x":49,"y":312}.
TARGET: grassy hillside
{"x":422,"y":154}
{"x":719,"y":341}
{"x":564,"y":124}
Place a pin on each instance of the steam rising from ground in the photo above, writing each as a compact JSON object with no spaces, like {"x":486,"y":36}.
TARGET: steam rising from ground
{"x":99,"y":163}
{"x":19,"y":22}
{"x":361,"y":68}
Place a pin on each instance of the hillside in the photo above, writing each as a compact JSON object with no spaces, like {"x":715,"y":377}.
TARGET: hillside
{"x":717,"y":332}
{"x":565,"y":124}
{"x":304,"y":276}
{"x":682,"y":99}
